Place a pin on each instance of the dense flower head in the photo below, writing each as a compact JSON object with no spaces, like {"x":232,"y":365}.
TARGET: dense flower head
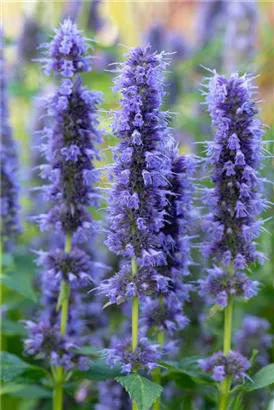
{"x":112,"y":395}
{"x":144,"y":357}
{"x":48,"y":342}
{"x":122,"y":285}
{"x":220,"y":284}
{"x":166,"y":315}
{"x":235,"y":157}
{"x":221,"y":366}
{"x":253,"y":335}
{"x":74,"y":266}
{"x":10,"y":224}
{"x":66,"y":54}
{"x":71,"y":147}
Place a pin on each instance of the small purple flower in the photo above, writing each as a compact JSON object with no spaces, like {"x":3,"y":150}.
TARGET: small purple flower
{"x":66,"y":54}
{"x":74,"y":267}
{"x":220,"y":284}
{"x":145,"y":356}
{"x":221,"y":366}
{"x":166,"y":316}
{"x":122,"y":286}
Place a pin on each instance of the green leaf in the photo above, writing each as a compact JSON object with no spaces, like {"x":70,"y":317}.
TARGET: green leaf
{"x":25,"y":391}
{"x":237,"y":402}
{"x":15,"y":370}
{"x":20,"y":284}
{"x":263,"y":378}
{"x":89,"y":351}
{"x":11,"y":328}
{"x":98,"y":371}
{"x":190,"y":367}
{"x":181,"y":379}
{"x":141,"y":390}
{"x":12,"y":367}
{"x":7,"y":260}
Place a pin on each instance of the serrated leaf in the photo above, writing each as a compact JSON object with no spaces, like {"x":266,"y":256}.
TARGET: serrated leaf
{"x":20,"y":284}
{"x":141,"y":390}
{"x":98,"y":371}
{"x":15,"y":370}
{"x":263,"y":378}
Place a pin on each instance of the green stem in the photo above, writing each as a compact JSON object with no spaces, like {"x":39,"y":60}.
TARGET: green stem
{"x":135,"y":317}
{"x":63,"y":304}
{"x":225,"y":386}
{"x":58,"y":396}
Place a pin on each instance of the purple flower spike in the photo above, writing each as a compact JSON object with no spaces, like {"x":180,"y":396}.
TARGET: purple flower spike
{"x":235,"y":159}
{"x":221,"y":366}
{"x":142,"y":170}
{"x":10,"y":224}
{"x":70,"y":151}
{"x":70,"y":137}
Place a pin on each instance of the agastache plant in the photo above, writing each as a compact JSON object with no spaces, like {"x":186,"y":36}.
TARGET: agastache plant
{"x":10,"y":224}
{"x":69,"y":151}
{"x":164,"y":315}
{"x":138,"y":200}
{"x":235,"y":203}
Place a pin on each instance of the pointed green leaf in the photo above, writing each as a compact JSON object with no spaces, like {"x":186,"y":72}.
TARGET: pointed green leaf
{"x":15,"y":370}
{"x":11,"y":328}
{"x":141,"y":390}
{"x":21,"y":284}
{"x":7,"y":260}
{"x":99,"y":371}
{"x":264,"y":378}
